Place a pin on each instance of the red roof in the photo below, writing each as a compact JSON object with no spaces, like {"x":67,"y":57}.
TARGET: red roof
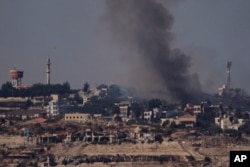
{"x":39,"y":120}
{"x":187,"y":116}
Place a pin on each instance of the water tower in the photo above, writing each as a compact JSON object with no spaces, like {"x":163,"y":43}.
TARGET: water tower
{"x":16,"y":77}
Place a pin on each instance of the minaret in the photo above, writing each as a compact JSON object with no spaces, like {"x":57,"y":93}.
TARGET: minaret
{"x":229,"y":65}
{"x":48,"y":71}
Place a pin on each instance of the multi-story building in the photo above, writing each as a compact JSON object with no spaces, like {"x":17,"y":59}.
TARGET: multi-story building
{"x":147,"y":115}
{"x":124,"y":107}
{"x":53,"y":108}
{"x":77,"y":117}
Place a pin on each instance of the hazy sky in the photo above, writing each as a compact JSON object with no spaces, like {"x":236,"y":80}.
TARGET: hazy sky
{"x":70,"y":33}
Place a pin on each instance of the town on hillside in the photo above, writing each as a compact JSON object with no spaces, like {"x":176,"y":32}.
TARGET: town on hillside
{"x":53,"y":125}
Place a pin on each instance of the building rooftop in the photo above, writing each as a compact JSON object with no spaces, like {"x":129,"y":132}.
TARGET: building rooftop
{"x":39,"y":120}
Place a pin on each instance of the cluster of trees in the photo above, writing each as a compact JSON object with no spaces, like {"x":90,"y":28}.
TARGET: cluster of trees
{"x":36,"y":90}
{"x":104,"y":103}
{"x":154,"y":103}
{"x":205,"y":120}
{"x":105,"y":106}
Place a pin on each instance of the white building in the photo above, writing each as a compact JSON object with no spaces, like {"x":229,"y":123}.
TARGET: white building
{"x":85,"y":99}
{"x":147,"y":115}
{"x":196,"y":109}
{"x":229,"y":122}
{"x":157,"y":112}
{"x":230,"y":92}
{"x":53,"y":107}
{"x":87,"y":96}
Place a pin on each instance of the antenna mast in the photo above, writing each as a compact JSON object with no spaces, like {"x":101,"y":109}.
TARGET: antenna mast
{"x":229,"y":65}
{"x":48,"y":71}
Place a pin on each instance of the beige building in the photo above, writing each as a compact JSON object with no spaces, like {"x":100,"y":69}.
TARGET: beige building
{"x":124,"y":108}
{"x":78,"y":117}
{"x":187,"y":119}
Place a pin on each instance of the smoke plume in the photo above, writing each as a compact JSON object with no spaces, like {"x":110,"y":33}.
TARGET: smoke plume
{"x":145,"y":25}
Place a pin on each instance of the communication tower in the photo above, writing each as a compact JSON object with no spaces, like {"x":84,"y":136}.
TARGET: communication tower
{"x":229,"y":65}
{"x":48,"y":71}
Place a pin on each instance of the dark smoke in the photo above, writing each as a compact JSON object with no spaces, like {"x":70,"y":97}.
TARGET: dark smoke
{"x":146,"y":25}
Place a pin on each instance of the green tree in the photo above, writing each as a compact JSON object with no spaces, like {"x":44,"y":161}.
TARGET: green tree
{"x":154,"y":103}
{"x":66,"y":86}
{"x":101,"y":86}
{"x":118,"y":119}
{"x":205,"y":120}
{"x":105,"y":106}
{"x":7,"y":90}
{"x":137,"y":110}
{"x":86,"y":87}
{"x":114,"y":91}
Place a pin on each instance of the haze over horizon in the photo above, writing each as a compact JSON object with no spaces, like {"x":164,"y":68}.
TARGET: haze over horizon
{"x":70,"y":33}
